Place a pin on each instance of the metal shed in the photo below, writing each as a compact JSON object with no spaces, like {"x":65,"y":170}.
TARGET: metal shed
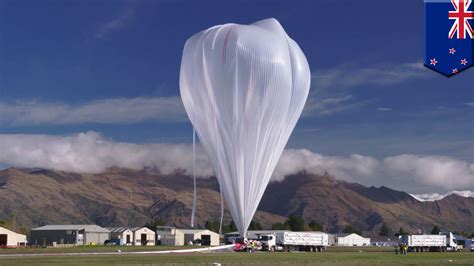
{"x":123,"y":235}
{"x":180,"y":237}
{"x":352,"y":240}
{"x":9,"y":238}
{"x":83,"y":234}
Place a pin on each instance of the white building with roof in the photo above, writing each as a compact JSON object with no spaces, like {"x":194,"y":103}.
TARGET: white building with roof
{"x":9,"y":238}
{"x":122,"y":235}
{"x":143,"y":236}
{"x":73,"y":234}
{"x":166,"y":235}
{"x":352,"y":240}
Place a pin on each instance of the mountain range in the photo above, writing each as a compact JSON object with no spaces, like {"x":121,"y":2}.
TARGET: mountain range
{"x":124,"y":197}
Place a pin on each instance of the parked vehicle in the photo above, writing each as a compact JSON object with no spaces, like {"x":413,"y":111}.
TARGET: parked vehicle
{"x":423,"y":243}
{"x":230,"y":238}
{"x":247,"y":245}
{"x":457,"y":242}
{"x":451,"y":244}
{"x":469,"y":245}
{"x":289,"y":241}
{"x":112,"y":242}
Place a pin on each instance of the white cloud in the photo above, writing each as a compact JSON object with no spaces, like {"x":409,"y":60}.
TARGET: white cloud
{"x":135,"y":110}
{"x":117,"y":110}
{"x":91,"y":153}
{"x":469,"y":104}
{"x":316,"y":106}
{"x":384,"y":109}
{"x":351,"y":76}
{"x":438,"y":196}
{"x":329,"y":94}
{"x":437,"y":171}
{"x":117,"y":23}
{"x":349,"y":168}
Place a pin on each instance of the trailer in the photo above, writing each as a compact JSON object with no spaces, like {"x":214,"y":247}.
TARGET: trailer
{"x":295,"y":241}
{"x":423,"y":243}
{"x":468,"y":245}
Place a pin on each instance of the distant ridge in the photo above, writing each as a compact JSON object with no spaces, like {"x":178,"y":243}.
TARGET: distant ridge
{"x":123,"y":197}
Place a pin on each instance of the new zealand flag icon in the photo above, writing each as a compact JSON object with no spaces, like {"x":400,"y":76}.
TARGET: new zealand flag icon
{"x":449,"y":35}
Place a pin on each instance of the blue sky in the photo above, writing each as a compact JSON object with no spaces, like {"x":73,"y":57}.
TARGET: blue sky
{"x":370,"y":94}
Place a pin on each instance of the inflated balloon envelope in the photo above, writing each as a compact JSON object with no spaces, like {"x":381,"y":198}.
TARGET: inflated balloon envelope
{"x":244,"y":88}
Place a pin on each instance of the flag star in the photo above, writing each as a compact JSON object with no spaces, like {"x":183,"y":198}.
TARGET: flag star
{"x":452,"y":51}
{"x":455,"y":70}
{"x":463,"y":62}
{"x":433,"y":62}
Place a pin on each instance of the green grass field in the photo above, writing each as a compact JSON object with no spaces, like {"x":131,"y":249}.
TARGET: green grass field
{"x":351,"y":256}
{"x":88,"y":249}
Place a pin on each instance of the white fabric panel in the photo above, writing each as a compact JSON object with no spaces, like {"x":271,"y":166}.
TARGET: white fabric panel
{"x":193,"y":210}
{"x":244,"y":88}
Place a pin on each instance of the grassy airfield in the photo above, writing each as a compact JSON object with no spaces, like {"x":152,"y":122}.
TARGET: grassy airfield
{"x":333,"y":256}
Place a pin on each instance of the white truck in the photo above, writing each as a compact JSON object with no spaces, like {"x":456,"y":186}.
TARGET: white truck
{"x":451,"y":242}
{"x":421,"y":243}
{"x":288,"y":241}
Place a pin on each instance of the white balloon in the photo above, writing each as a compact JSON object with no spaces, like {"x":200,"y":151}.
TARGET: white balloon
{"x":244,"y":88}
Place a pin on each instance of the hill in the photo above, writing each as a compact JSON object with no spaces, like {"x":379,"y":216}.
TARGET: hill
{"x":337,"y":204}
{"x":35,"y":197}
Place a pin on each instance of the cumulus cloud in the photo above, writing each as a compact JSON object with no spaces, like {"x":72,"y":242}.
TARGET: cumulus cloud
{"x":438,"y":171}
{"x":347,"y":168}
{"x":438,"y":196}
{"x":116,"y":110}
{"x":92,"y":153}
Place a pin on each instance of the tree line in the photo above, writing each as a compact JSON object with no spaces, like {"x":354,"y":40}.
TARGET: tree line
{"x":385,"y":231}
{"x":13,"y":226}
{"x":293,"y":223}
{"x":297,"y":223}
